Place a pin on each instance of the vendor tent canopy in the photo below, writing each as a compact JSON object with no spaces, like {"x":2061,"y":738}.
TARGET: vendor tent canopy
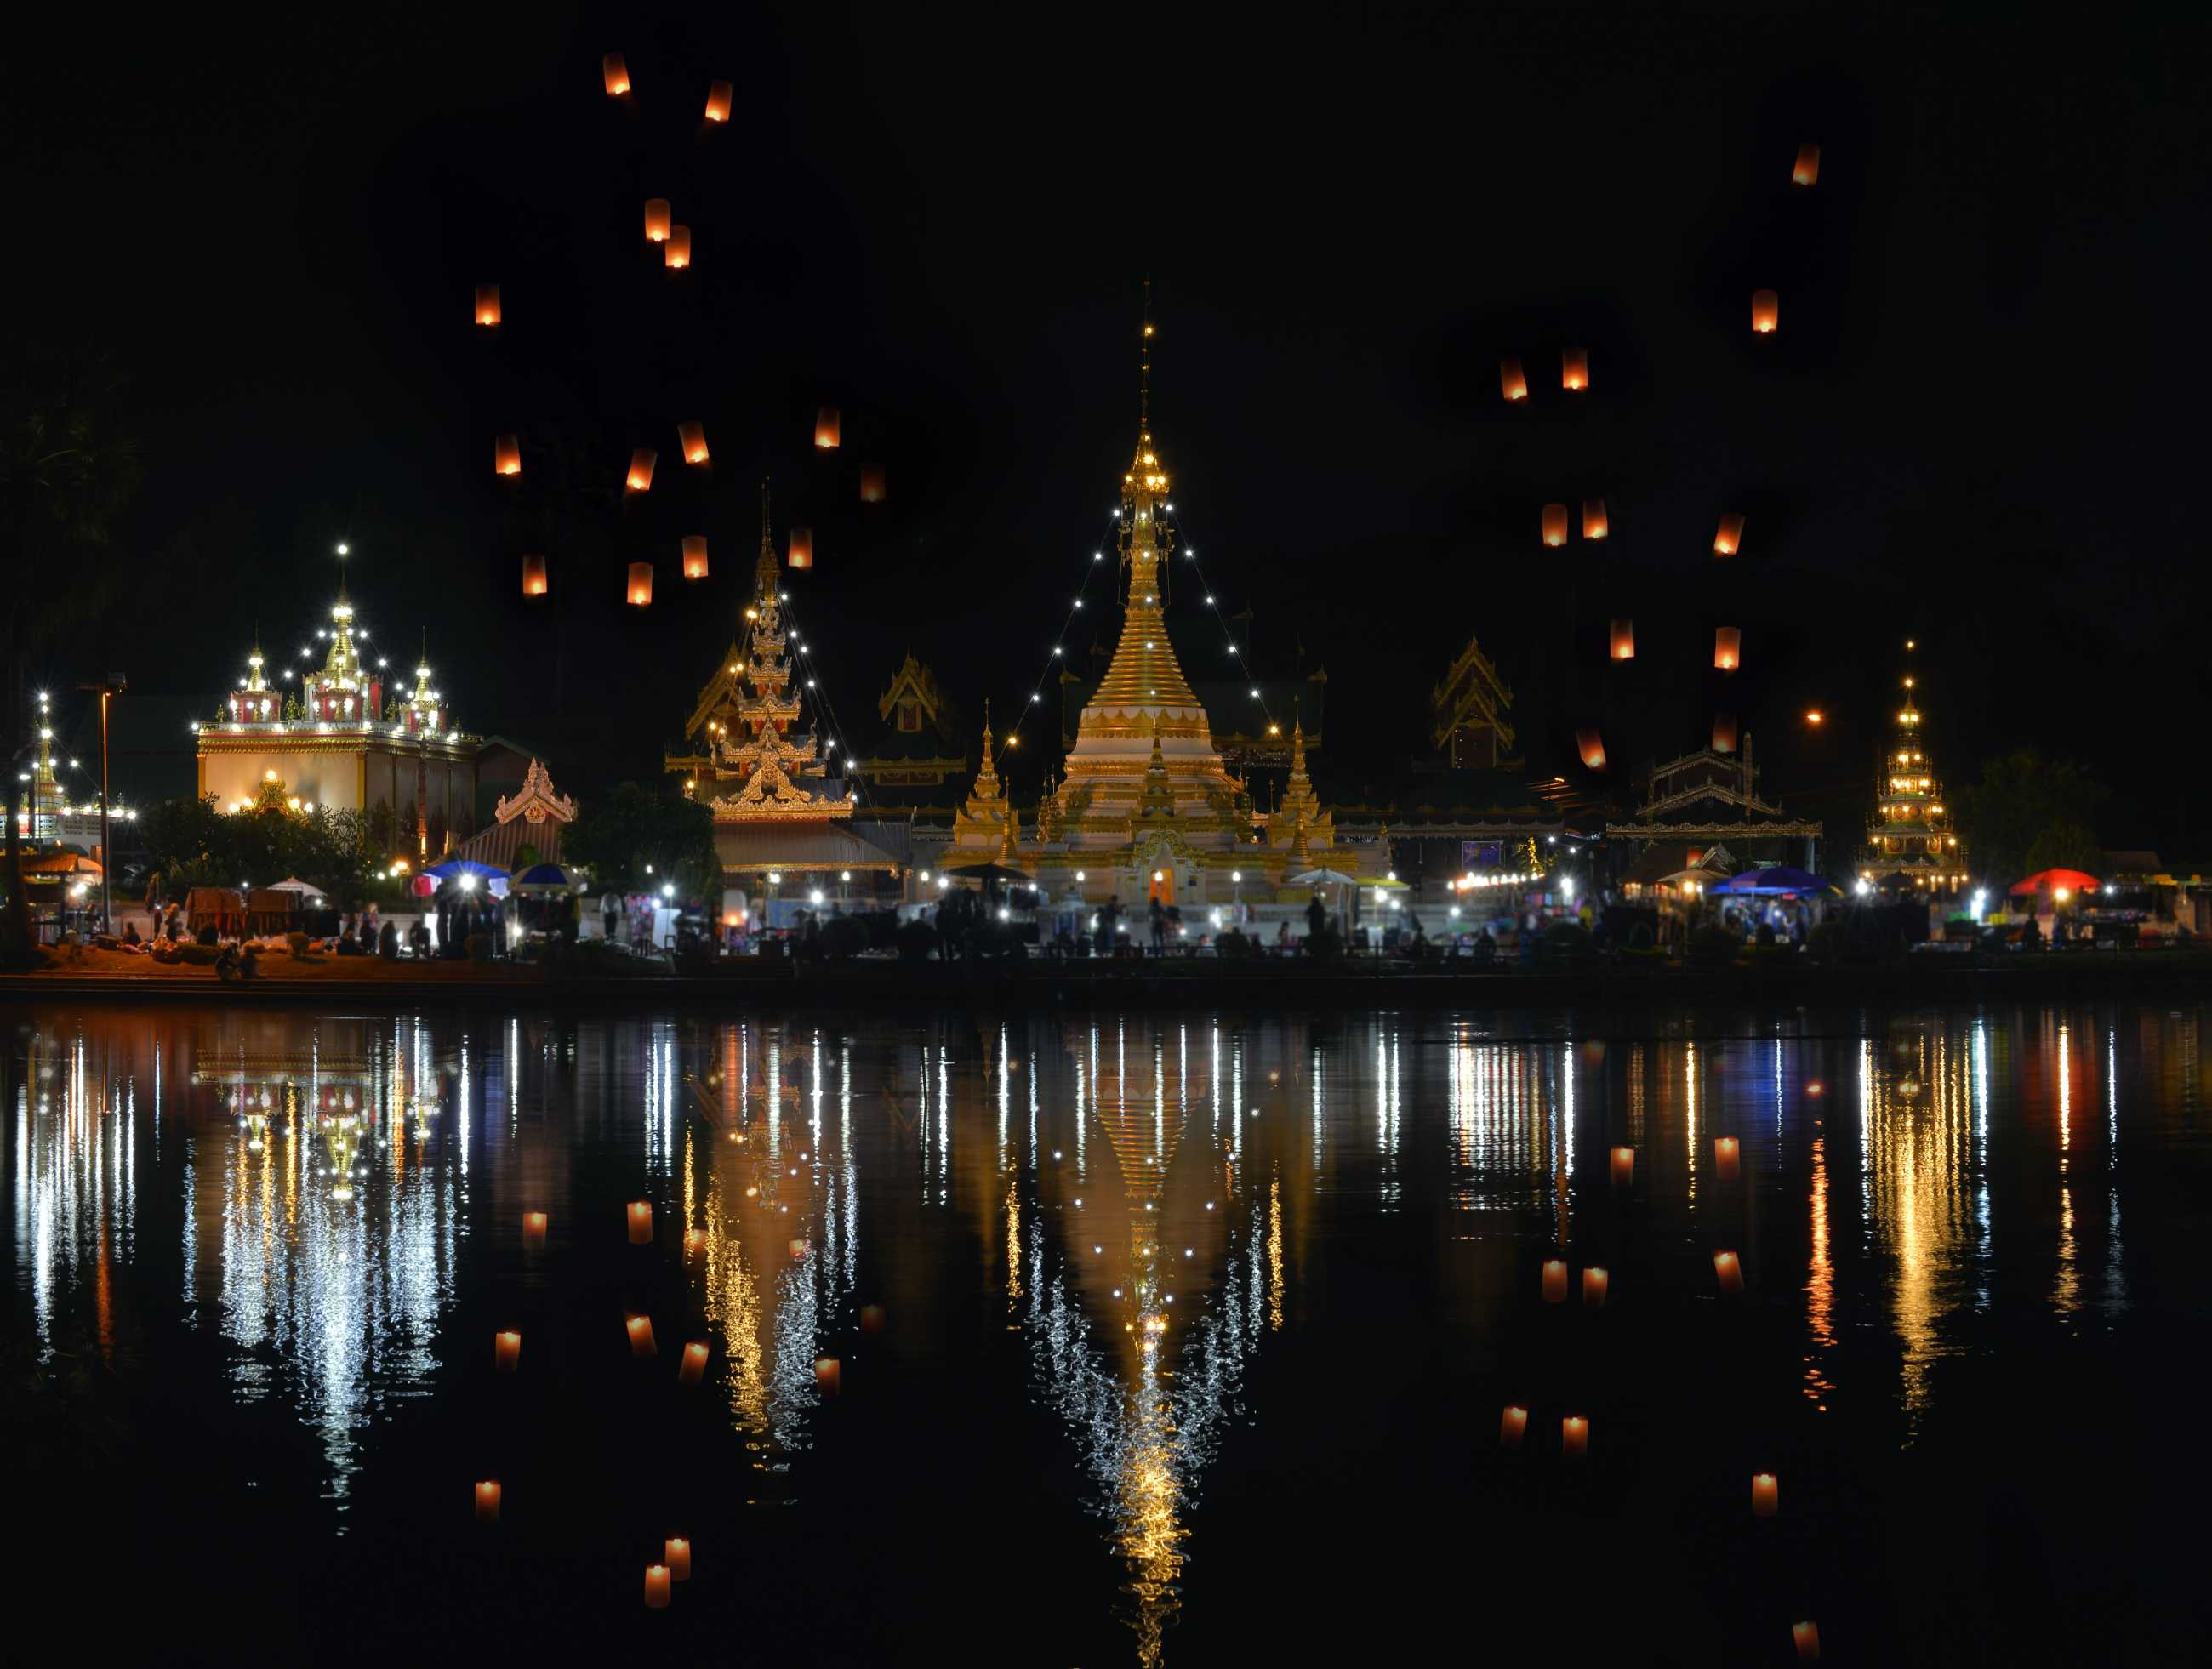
{"x":55,"y":864}
{"x":1780,"y":882}
{"x":2052,"y":880}
{"x":453,"y":868}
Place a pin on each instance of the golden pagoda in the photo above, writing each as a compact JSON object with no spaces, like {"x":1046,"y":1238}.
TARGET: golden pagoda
{"x":1911,"y":832}
{"x":1145,"y":807}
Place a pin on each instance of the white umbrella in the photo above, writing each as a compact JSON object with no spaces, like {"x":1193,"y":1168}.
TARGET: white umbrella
{"x":1321,"y":877}
{"x":296,"y":885}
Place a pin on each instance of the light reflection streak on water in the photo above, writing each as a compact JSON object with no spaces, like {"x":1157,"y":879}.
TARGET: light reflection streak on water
{"x":1690,"y":1117}
{"x":2066,"y":1291}
{"x":2115,"y":1281}
{"x":1819,"y":1287}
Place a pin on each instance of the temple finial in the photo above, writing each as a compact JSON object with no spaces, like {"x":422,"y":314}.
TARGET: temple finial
{"x":1144,"y":370}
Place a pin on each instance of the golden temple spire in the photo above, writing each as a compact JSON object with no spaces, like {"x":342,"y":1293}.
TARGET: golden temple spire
{"x":1145,"y":373}
{"x":986,"y":780}
{"x":766,"y":570}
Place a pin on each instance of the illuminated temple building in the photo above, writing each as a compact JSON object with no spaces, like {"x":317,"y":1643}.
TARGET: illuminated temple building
{"x":1911,"y":832}
{"x":778,"y":809}
{"x":1699,"y":801}
{"x":1144,"y":806}
{"x":341,"y":737}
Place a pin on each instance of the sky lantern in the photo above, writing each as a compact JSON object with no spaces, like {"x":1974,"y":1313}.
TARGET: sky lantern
{"x":487,"y":1500}
{"x":507,"y":1351}
{"x":871,"y":483}
{"x":799,"y":553}
{"x":1727,"y":648}
{"x":1512,"y":1425}
{"x":1555,"y":1280}
{"x":676,"y":1550}
{"x":1806,"y":1637}
{"x":1594,"y":526}
{"x":1574,"y":368}
{"x":616,"y":73}
{"x":1574,"y":1437}
{"x":507,"y":455}
{"x":1724,"y":732}
{"x":1591,"y":745}
{"x":639,"y":1215}
{"x":827,"y":429}
{"x":487,"y":304}
{"x":1624,"y":1166}
{"x":677,"y":252}
{"x":1728,"y":1157}
{"x":1765,"y":1495}
{"x":1729,"y":537}
{"x":718,"y":101}
{"x":695,"y":556}
{"x":1727,"y":1269}
{"x":1515,"y":385}
{"x":1595,"y":1280}
{"x":1807,"y":171}
{"x":1624,"y":640}
{"x":656,"y":220}
{"x":640,"y":479}
{"x":533,"y":584}
{"x":1555,"y":524}
{"x":639,"y":589}
{"x":656,"y":1588}
{"x":693,"y":437}
{"x":1765,"y":312}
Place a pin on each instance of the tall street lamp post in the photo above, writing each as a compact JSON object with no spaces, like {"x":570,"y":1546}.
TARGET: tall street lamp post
{"x":113,"y":685}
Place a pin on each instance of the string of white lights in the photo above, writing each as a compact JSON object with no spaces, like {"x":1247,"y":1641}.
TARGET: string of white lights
{"x":826,"y":709}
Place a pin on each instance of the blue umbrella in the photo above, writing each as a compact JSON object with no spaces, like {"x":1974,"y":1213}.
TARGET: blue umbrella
{"x":543,"y":877}
{"x":1772,"y":883}
{"x":458,"y":867}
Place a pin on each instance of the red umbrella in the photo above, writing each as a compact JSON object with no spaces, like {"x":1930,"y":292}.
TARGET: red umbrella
{"x":2053,"y":880}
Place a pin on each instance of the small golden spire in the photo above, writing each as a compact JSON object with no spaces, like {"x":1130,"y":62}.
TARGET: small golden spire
{"x":1144,"y":371}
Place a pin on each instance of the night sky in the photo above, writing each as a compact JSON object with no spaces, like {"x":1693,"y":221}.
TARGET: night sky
{"x":1976,"y":425}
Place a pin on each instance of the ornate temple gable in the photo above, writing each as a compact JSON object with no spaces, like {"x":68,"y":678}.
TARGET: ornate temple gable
{"x":535,"y":801}
{"x":1468,"y":711}
{"x":913,"y":703}
{"x":770,"y":792}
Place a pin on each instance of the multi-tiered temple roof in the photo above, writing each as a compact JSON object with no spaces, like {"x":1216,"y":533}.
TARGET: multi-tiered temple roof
{"x":1911,"y":832}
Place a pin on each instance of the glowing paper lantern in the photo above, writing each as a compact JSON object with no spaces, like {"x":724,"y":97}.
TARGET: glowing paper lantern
{"x":1765,"y":1495}
{"x":827,"y":429}
{"x":1512,"y":1425}
{"x":1765,"y":312}
{"x":688,"y":1372}
{"x":656,"y":1588}
{"x":1807,"y":169}
{"x":1816,"y":1088}
{"x":1730,"y":536}
{"x":677,"y":252}
{"x":1727,"y":648}
{"x":799,"y":1249}
{"x":1730,"y":1269}
{"x":640,"y":1222}
{"x":1509,"y":378}
{"x":656,"y":220}
{"x":1574,"y":1437}
{"x":1624,"y":1166}
{"x":871,"y":1318}
{"x":640,"y":478}
{"x":641,"y":1335}
{"x":1806,"y":1637}
{"x":507,"y":455}
{"x":1594,"y":1282}
{"x":639,"y":590}
{"x":1593,"y":522}
{"x":799,"y":553}
{"x":1555,"y":1281}
{"x":507,"y":1351}
{"x":487,"y":304}
{"x":1592,"y":748}
{"x":1574,"y":368}
{"x":1555,"y":524}
{"x":676,"y":1550}
{"x":718,"y":101}
{"x":533,"y":584}
{"x":616,"y":73}
{"x":1727,"y":1158}
{"x":694,"y":1239}
{"x":488,"y":1501}
{"x":1724,"y":732}
{"x":827,"y":1375}
{"x":1624,"y":640}
{"x":695,"y":564}
{"x":533,"y":1223}
{"x":693,"y":437}
{"x":871,"y":483}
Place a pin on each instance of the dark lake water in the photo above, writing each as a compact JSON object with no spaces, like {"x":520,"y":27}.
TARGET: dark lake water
{"x":1173,"y":1340}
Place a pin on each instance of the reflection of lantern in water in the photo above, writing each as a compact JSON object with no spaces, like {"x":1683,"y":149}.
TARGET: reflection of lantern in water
{"x":694,"y":1239}
{"x":507,"y":1351}
{"x":799,"y":554}
{"x":1908,"y":1089}
{"x":1806,"y":1637}
{"x":1574,"y":1437}
{"x":1725,"y":1156}
{"x":1805,"y":171}
{"x":656,"y":1586}
{"x":871,"y":1318}
{"x":1730,"y":1269}
{"x":693,"y":1364}
{"x":657,"y":220}
{"x":1730,"y":535}
{"x":1624,"y":640}
{"x":1555,"y":1280}
{"x":1724,"y":732}
{"x":718,"y":101}
{"x":1594,"y":1282}
{"x":1765,"y":1492}
{"x":1624,"y":1166}
{"x":533,"y":1231}
{"x":507,"y":455}
{"x":1591,"y":746}
{"x":1765,"y":312}
{"x":828,"y":1376}
{"x":1512,"y":1424}
{"x":677,"y":252}
{"x":1555,"y":525}
{"x":534,"y":582}
{"x":1727,"y":648}
{"x":798,"y":1249}
{"x":640,"y":478}
{"x":1515,"y":385}
{"x":1574,"y":368}
{"x":676,"y":1550}
{"x":487,"y":1500}
{"x":641,"y":1335}
{"x":1593,"y":522}
{"x":640,"y":1222}
{"x":828,"y":429}
{"x":487,"y":304}
{"x":871,"y":483}
{"x":616,"y":73}
{"x":694,"y":438}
